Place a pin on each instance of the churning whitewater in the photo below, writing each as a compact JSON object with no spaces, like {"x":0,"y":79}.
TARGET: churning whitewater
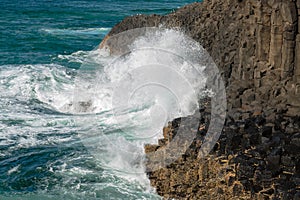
{"x":88,"y":126}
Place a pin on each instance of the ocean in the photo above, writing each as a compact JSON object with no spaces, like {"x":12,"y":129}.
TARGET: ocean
{"x":60,"y":135}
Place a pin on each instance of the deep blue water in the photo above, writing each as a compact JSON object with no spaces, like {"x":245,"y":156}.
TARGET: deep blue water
{"x":42,"y":155}
{"x":37,"y":31}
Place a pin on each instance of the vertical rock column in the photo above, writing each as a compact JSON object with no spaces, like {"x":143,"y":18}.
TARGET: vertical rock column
{"x":297,"y":53}
{"x":263,"y":33}
{"x":289,"y":17}
{"x":276,"y":37}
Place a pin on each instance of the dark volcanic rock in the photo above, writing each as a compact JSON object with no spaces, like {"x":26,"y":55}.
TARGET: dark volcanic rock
{"x":256,"y":45}
{"x":240,"y":166}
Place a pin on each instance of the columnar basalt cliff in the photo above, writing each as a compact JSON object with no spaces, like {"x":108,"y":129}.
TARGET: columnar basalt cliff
{"x":256,"y":45}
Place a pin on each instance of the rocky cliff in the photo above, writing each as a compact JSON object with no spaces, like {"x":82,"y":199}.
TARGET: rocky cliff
{"x":256,"y":45}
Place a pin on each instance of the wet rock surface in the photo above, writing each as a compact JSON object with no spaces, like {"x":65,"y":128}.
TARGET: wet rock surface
{"x":256,"y":45}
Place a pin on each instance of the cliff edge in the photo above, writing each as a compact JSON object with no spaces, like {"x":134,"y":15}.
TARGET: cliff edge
{"x":256,"y":45}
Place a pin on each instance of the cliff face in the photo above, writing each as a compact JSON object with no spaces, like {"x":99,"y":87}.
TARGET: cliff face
{"x":256,"y":45}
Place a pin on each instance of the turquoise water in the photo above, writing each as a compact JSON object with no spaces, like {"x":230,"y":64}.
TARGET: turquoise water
{"x":45,"y":144}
